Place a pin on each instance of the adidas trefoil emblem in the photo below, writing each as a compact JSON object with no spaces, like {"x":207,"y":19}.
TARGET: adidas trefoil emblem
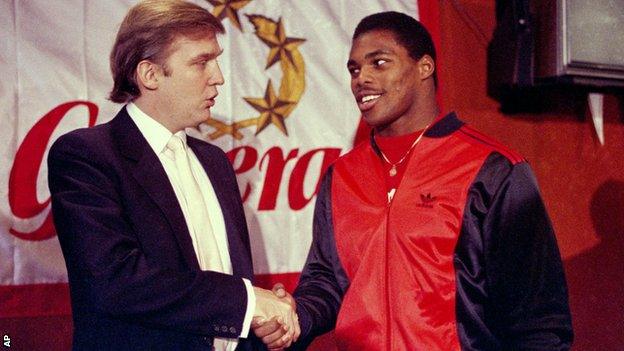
{"x":427,"y":200}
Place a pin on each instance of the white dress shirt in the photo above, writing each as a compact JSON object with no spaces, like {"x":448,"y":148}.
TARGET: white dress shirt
{"x":157,"y":137}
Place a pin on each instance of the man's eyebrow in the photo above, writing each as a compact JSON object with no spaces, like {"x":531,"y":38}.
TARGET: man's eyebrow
{"x":372,"y":54}
{"x":379,"y":52}
{"x":207,"y":56}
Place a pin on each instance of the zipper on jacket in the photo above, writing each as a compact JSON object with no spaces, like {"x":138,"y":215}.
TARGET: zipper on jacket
{"x":386,"y":280}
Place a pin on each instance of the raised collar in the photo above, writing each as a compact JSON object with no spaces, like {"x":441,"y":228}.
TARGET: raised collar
{"x":441,"y":127}
{"x":444,"y":126}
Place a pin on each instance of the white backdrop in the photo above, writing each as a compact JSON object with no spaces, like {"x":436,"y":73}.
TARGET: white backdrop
{"x":55,"y":77}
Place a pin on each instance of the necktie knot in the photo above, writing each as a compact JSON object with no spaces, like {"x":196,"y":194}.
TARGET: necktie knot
{"x":175,"y":144}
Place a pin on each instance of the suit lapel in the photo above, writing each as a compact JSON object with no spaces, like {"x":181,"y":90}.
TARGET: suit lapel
{"x":150,"y":174}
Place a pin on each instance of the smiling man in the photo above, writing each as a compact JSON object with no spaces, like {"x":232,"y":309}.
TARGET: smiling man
{"x":428,"y":236}
{"x":150,"y":220}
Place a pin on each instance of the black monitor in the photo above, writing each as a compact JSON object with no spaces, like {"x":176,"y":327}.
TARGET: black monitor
{"x":580,"y":42}
{"x":541,"y":45}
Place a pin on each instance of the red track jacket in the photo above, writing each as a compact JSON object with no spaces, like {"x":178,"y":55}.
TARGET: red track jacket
{"x":464,"y":257}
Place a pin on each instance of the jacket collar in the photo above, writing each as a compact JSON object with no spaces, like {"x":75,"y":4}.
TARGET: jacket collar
{"x":444,"y":126}
{"x":441,"y":127}
{"x":149,"y":173}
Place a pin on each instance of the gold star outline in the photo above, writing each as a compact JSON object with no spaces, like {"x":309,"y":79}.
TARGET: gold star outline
{"x":228,"y":8}
{"x":272,"y":109}
{"x":274,"y":36}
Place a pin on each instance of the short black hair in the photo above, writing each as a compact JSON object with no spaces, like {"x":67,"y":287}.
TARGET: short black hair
{"x":409,"y":32}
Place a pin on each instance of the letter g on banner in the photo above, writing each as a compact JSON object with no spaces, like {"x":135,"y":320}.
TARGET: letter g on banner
{"x":26,"y":166}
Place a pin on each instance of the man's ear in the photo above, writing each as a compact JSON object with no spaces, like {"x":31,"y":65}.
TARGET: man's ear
{"x":148,"y":75}
{"x":426,"y":67}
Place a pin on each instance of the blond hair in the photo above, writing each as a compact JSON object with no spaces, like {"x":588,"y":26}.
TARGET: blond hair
{"x":147,"y":32}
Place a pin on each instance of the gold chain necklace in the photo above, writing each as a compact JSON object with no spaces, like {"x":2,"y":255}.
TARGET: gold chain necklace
{"x":393,"y":169}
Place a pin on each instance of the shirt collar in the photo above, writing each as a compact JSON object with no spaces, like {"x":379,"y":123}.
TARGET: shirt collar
{"x":155,"y":133}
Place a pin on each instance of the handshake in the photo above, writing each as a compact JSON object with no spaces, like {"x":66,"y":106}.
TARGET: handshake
{"x":275,"y":319}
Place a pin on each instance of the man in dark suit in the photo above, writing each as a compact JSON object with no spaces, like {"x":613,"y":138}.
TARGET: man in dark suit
{"x":150,"y":221}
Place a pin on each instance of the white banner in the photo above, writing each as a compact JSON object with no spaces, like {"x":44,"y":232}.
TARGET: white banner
{"x":284,"y":113}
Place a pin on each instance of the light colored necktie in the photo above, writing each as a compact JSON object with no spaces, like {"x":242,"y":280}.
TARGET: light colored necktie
{"x":203,"y":237}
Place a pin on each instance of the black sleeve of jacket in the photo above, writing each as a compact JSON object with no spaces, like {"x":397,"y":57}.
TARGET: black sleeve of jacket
{"x":525,"y":277}
{"x":323,"y":281}
{"x":107,"y":265}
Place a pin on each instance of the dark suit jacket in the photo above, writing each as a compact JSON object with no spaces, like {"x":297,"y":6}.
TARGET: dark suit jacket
{"x":134,"y":279}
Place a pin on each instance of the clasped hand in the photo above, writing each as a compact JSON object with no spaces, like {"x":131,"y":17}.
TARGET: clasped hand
{"x":275,"y":319}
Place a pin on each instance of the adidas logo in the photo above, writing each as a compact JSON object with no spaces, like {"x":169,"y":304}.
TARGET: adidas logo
{"x":427,"y":200}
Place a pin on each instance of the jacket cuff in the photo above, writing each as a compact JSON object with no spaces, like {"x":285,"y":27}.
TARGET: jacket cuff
{"x":251,"y":307}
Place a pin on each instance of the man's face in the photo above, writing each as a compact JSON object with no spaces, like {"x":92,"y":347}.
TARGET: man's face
{"x":189,"y":88}
{"x":384,"y":80}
